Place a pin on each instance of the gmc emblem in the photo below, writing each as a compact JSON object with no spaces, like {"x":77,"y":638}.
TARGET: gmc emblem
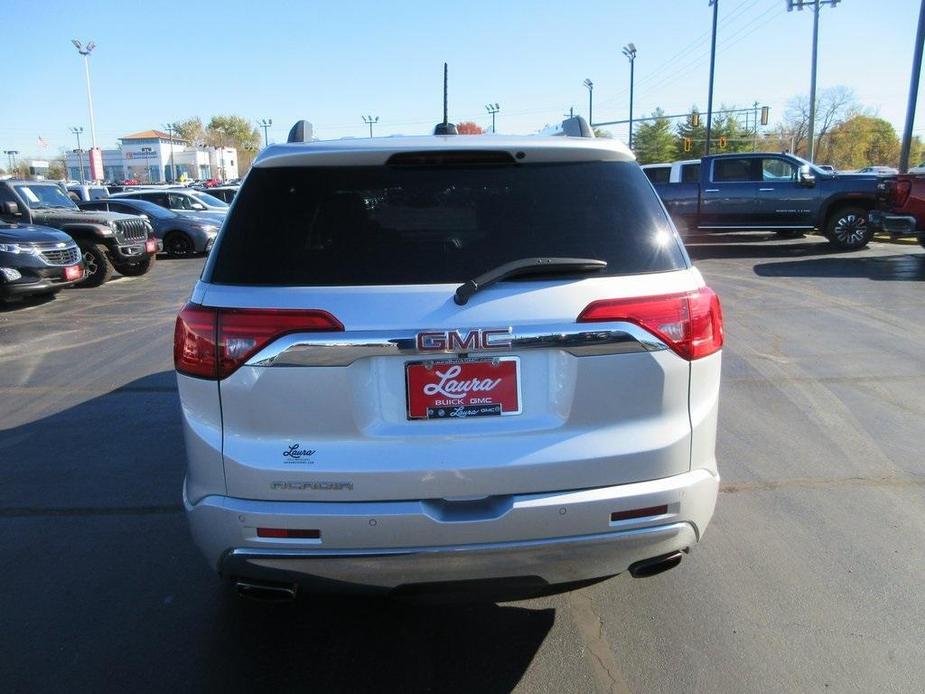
{"x":464,"y":340}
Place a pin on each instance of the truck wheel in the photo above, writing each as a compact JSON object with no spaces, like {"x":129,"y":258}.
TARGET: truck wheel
{"x":847,"y":228}
{"x":136,"y":269}
{"x":98,"y":266}
{"x":178,"y":244}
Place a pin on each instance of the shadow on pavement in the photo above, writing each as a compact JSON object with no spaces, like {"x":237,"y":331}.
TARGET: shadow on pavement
{"x":355,"y":645}
{"x":109,"y":593}
{"x":18,"y":304}
{"x":756,"y":245}
{"x":900,"y":268}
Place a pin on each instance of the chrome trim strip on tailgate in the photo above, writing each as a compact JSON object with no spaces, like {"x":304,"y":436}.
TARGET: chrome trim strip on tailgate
{"x":342,"y":349}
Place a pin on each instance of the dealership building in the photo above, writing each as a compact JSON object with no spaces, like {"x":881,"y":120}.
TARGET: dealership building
{"x":151,"y":156}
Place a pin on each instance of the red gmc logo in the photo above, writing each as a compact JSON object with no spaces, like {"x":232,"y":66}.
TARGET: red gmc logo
{"x":464,"y":340}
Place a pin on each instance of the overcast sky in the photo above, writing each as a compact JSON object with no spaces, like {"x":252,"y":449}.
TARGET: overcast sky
{"x":332,"y":62}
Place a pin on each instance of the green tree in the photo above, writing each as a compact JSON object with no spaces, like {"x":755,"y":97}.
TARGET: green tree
{"x":863,"y":141}
{"x":231,"y":131}
{"x":655,"y":141}
{"x":56,"y":170}
{"x":191,"y":129}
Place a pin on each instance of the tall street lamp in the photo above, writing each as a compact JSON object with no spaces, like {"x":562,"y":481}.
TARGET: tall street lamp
{"x":171,"y":129}
{"x":80,"y":159}
{"x":85,"y":52}
{"x":493,"y":109}
{"x":369,"y":120}
{"x":816,"y":5}
{"x":590,"y":86}
{"x":147,"y":154}
{"x":715,"y":4}
{"x":629,"y":50}
{"x":265,"y":123}
{"x":11,"y":155}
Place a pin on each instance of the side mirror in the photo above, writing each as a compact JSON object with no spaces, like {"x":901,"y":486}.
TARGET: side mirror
{"x":11,"y":209}
{"x":806,"y":176}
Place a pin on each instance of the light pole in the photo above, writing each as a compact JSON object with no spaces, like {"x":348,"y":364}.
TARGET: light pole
{"x":80,"y":160}
{"x":816,"y":5}
{"x":171,"y":128}
{"x":265,"y":123}
{"x":629,"y":50}
{"x":590,"y":86}
{"x":706,"y":150}
{"x":493,"y":109}
{"x":147,"y":151}
{"x":85,"y":52}
{"x":913,"y":91}
{"x":11,"y":155}
{"x":369,"y":120}
{"x":221,"y":160}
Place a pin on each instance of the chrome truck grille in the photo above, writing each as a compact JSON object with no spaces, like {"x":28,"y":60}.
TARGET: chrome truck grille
{"x":60,"y":256}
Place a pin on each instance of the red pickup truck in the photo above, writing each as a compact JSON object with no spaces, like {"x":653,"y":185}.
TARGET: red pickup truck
{"x":901,"y":206}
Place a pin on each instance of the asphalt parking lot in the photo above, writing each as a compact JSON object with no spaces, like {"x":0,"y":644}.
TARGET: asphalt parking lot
{"x":809,"y":578}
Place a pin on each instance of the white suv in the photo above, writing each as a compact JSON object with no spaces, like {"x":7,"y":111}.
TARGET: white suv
{"x":448,"y":361}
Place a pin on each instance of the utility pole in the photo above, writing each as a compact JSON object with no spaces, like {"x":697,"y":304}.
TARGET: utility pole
{"x":590,"y":86}
{"x":85,"y":52}
{"x":171,"y":129}
{"x":629,"y":51}
{"x":11,"y":155}
{"x":80,"y":159}
{"x":493,"y":109}
{"x":706,"y":149}
{"x":913,"y":92}
{"x":265,"y":123}
{"x":816,"y":5}
{"x":369,"y":120}
{"x":755,"y":134}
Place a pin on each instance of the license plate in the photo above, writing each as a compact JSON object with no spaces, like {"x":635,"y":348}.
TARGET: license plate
{"x":72,"y":272}
{"x":463,"y":388}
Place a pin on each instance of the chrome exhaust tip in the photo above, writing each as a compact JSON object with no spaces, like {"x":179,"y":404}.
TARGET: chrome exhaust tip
{"x":655,"y":565}
{"x":266,"y":592}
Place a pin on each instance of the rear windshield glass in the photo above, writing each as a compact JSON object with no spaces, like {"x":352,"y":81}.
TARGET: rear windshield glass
{"x":336,"y":226}
{"x":658,"y":174}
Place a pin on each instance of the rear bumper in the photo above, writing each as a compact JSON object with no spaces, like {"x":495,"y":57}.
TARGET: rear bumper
{"x":554,"y":538}
{"x":896,"y":224}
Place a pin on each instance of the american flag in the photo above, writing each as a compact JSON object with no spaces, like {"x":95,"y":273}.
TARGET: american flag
{"x":42,"y":142}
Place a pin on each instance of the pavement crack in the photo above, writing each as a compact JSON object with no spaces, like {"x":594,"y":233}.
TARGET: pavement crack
{"x":811,"y":483}
{"x":591,"y":628}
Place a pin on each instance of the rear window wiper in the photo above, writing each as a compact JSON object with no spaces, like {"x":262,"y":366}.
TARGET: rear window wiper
{"x":526,"y":266}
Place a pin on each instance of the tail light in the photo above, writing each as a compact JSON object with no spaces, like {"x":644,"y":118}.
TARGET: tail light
{"x":691,"y":323}
{"x":899,"y":192}
{"x":214,"y":342}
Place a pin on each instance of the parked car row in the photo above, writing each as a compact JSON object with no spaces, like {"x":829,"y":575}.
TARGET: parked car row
{"x":901,"y":211}
{"x":54,"y":236}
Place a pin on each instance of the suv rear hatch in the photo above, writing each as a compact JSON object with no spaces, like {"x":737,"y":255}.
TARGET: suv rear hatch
{"x":342,"y":354}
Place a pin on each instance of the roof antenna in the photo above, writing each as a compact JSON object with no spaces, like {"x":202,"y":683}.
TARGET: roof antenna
{"x":445,"y":128}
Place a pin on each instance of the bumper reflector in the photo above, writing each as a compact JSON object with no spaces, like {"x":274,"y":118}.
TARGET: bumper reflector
{"x":638,"y":513}
{"x":289,"y":533}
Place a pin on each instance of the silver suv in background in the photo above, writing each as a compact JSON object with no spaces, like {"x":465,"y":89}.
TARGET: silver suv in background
{"x":448,"y":361}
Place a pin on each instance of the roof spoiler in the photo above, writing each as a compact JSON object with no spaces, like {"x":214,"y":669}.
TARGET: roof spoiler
{"x":576,"y":126}
{"x":300,"y":132}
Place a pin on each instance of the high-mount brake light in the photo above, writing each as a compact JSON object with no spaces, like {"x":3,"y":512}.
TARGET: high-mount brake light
{"x":214,"y":342}
{"x":690,"y":323}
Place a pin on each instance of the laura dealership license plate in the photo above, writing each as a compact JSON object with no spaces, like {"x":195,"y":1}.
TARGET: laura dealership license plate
{"x":463,"y":388}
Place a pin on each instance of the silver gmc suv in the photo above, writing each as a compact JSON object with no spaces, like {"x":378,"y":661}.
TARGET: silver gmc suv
{"x":447,"y":362}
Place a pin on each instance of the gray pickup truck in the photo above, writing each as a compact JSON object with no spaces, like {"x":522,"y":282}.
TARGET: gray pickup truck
{"x":109,"y":242}
{"x":774,"y":192}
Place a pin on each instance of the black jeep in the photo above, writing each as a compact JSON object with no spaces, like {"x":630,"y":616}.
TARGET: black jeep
{"x":108,"y":241}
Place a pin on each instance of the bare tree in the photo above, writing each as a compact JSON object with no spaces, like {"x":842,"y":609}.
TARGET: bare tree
{"x":834,"y":106}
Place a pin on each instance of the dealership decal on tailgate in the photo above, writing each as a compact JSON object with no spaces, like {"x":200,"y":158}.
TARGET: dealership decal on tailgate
{"x":463,"y":388}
